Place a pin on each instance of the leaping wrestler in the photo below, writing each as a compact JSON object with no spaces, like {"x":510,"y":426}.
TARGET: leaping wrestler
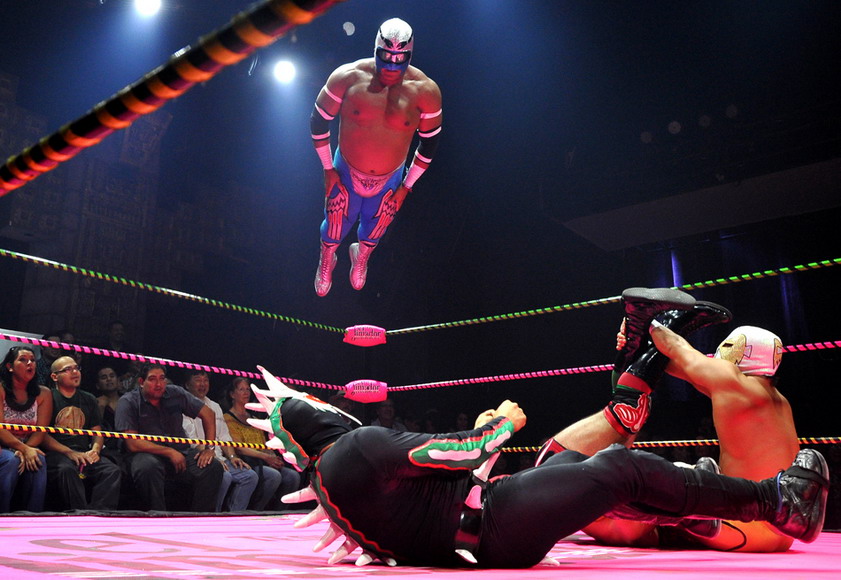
{"x":382,"y":102}
{"x":425,"y":499}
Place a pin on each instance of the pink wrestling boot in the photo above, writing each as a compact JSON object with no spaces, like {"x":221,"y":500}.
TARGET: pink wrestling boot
{"x":326,"y":263}
{"x":359,"y":254}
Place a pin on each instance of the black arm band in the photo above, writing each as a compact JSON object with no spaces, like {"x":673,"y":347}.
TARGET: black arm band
{"x":320,"y":124}
{"x":428,"y":144}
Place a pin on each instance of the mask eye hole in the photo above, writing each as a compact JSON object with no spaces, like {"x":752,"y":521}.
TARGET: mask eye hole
{"x":392,"y":57}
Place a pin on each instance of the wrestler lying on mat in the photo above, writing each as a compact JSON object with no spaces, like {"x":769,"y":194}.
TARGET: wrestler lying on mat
{"x":423,"y":499}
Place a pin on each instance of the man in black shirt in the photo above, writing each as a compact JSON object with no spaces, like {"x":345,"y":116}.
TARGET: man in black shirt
{"x":74,"y":465}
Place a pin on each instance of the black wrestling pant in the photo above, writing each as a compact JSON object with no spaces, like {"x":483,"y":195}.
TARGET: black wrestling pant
{"x":527,"y":513}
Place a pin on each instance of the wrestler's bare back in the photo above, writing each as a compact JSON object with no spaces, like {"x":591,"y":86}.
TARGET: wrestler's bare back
{"x":755,"y":428}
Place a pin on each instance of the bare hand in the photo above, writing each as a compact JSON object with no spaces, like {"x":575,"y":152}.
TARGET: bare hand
{"x":331,"y":180}
{"x":513,"y":412}
{"x":204,"y":458}
{"x":484,"y":418}
{"x":92,"y":456}
{"x":80,"y":459}
{"x":400,"y":195}
{"x":179,"y":462}
{"x":21,"y":464}
{"x":620,"y":336}
{"x":274,"y":461}
{"x":239,"y":463}
{"x":31,"y":458}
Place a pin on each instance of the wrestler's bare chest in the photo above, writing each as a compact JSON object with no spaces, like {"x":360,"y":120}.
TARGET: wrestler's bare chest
{"x":393,"y":107}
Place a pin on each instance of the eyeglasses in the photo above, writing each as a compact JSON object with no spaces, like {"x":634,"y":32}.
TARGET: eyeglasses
{"x":70,"y":369}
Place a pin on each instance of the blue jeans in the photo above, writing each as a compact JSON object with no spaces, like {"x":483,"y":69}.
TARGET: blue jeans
{"x":31,"y":486}
{"x":8,"y":478}
{"x":274,"y":484}
{"x":241,"y":483}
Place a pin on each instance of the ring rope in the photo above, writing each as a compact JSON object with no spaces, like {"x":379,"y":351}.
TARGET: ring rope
{"x":512,"y":449}
{"x":613,"y":299}
{"x":689,"y":443}
{"x":119,"y":435}
{"x":811,"y":346}
{"x":467,"y":322}
{"x":506,"y":377}
{"x":257,"y":27}
{"x":157,"y":360}
{"x":578,"y":370}
{"x":166,"y":291}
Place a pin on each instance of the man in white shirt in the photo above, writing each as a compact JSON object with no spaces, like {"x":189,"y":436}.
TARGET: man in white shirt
{"x":238,"y":479}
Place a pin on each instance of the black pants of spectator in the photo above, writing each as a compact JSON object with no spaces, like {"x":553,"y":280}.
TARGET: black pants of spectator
{"x":149,"y":473}
{"x":101,"y":479}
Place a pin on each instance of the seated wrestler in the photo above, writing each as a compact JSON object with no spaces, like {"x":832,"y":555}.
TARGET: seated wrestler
{"x":752,"y":418}
{"x":423,"y":499}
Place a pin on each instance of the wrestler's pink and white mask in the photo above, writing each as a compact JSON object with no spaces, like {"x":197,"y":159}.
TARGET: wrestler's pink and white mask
{"x":754,"y":350}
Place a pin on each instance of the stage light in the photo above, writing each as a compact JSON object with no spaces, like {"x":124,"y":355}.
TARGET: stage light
{"x":147,"y":7}
{"x":284,"y":71}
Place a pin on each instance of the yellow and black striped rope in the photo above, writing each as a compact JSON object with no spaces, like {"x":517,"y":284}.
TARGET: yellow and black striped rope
{"x":135,"y":436}
{"x":168,"y":439}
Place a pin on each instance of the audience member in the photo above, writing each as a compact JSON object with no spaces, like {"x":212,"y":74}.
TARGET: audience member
{"x":25,"y":402}
{"x":107,"y":386}
{"x":432,"y":421}
{"x":67,"y":337}
{"x":340,"y":401}
{"x":48,"y":356}
{"x":386,"y":416}
{"x":115,"y":339}
{"x":238,"y":480}
{"x":276,"y":478}
{"x":129,"y":380}
{"x":412,"y":422}
{"x":463,"y":422}
{"x":156,"y":408}
{"x":74,"y":464}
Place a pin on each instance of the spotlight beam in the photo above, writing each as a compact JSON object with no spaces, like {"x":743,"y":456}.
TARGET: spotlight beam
{"x":248,"y":31}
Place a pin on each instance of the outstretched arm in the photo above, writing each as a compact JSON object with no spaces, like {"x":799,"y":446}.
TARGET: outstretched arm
{"x":691,"y":365}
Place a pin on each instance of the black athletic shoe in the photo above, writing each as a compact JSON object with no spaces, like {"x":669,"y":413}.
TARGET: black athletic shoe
{"x":641,"y":305}
{"x":703,"y":314}
{"x":802,"y":491}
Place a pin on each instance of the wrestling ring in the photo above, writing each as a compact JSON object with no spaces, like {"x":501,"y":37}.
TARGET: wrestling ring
{"x":89,"y":545}
{"x":266,"y":545}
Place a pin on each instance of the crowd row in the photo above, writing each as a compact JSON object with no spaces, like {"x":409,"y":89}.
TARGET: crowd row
{"x":57,"y":471}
